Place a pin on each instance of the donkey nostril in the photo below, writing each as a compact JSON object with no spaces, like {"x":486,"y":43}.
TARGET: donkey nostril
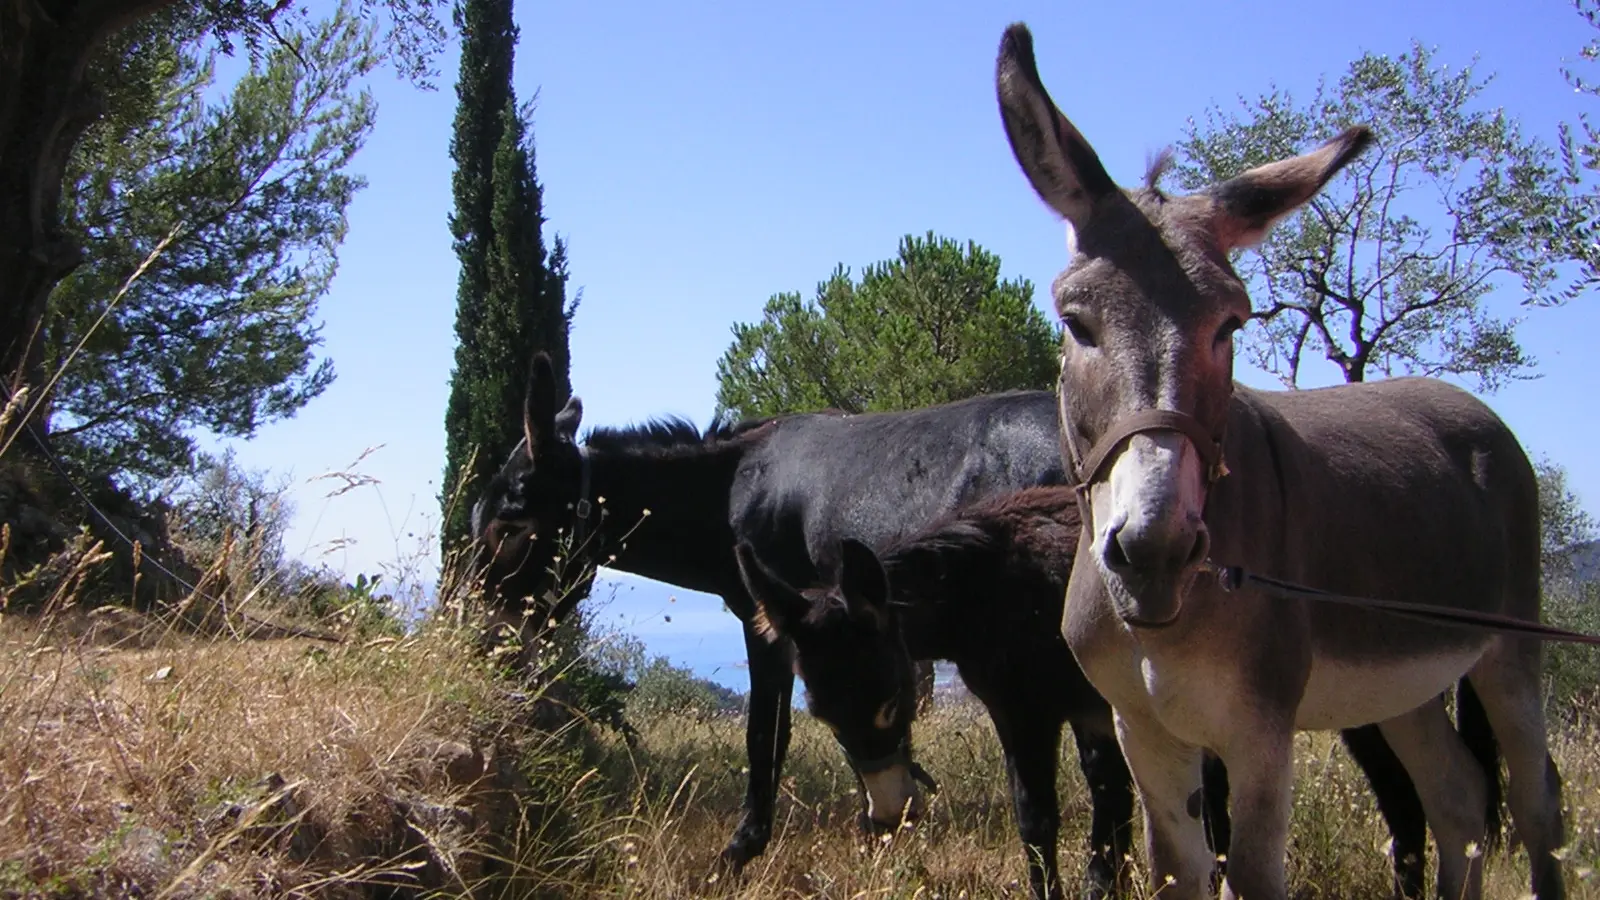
{"x":1116,"y":558}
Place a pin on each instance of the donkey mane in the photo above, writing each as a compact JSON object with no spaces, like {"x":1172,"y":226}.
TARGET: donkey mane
{"x":966,"y":534}
{"x":668,"y":433}
{"x":1159,"y":166}
{"x":989,"y":527}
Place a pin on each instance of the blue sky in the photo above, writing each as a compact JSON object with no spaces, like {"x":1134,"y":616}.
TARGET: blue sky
{"x":701,"y":157}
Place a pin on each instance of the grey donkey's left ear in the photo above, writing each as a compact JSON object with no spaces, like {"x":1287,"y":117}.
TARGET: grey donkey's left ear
{"x":1064,"y":170}
{"x":1248,"y":205}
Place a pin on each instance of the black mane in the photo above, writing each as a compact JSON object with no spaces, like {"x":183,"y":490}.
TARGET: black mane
{"x":668,"y":433}
{"x":955,"y":536}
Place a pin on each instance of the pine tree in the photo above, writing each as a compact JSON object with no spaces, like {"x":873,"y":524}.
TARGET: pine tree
{"x":933,"y":324}
{"x":511,"y":294}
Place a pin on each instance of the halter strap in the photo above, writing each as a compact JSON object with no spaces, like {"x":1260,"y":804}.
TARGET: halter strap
{"x":1147,"y":420}
{"x":583,"y":508}
{"x":901,"y":756}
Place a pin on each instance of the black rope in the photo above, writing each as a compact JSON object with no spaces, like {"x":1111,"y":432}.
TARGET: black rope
{"x":1234,"y":577}
{"x":89,"y":504}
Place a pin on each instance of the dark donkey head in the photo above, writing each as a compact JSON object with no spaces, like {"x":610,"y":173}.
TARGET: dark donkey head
{"x":1150,"y":303}
{"x":527,"y":515}
{"x":859,"y":679}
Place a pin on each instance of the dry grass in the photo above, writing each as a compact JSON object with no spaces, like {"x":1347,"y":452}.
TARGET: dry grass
{"x":141,"y":761}
{"x":968,"y":845}
{"x":168,"y":764}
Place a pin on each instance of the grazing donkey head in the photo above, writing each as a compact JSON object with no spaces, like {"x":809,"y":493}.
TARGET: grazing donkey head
{"x":859,"y":679}
{"x":519,"y":520}
{"x":1149,"y":302}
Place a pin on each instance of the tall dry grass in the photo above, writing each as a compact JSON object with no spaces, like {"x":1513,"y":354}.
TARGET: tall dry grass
{"x":141,"y":759}
{"x":687,"y":782}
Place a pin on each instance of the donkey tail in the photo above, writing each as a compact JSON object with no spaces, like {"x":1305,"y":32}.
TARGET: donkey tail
{"x":1472,"y":721}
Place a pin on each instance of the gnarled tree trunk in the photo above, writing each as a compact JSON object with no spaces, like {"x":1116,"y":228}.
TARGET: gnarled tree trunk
{"x":45,"y":106}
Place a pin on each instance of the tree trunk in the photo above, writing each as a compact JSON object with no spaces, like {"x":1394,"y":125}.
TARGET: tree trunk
{"x":45,"y":106}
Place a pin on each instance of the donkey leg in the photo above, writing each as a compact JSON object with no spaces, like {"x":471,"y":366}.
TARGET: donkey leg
{"x":1031,"y":749}
{"x":766,"y":741}
{"x":1111,"y":805}
{"x":1452,"y":787}
{"x":1398,"y":803}
{"x":1261,"y":779}
{"x":1507,"y":682}
{"x":1167,"y":772}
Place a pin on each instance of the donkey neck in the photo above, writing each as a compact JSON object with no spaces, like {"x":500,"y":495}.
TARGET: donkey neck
{"x":666,"y":510}
{"x":936,"y":608}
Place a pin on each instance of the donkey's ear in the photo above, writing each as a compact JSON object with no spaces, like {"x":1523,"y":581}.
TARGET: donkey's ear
{"x":861,"y":578}
{"x":568,"y":420}
{"x":539,"y":407}
{"x":1063,"y":168}
{"x":1249,"y":205}
{"x":779,"y":607}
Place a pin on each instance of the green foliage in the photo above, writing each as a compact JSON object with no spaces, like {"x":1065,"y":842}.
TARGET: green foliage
{"x":1572,"y":671}
{"x":653,"y":685}
{"x":413,"y":37}
{"x":1392,"y":267}
{"x":353,"y":608}
{"x":1582,"y":142}
{"x":932,"y":325}
{"x":223,"y":503}
{"x":1564,"y":524}
{"x":511,"y":295}
{"x":359,"y":607}
{"x":249,"y":194}
{"x":665,"y":688}
{"x":225,"y":513}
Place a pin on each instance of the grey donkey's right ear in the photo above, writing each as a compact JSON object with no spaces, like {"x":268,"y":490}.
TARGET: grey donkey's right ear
{"x":779,"y":607}
{"x":1064,"y":170}
{"x":1249,"y":204}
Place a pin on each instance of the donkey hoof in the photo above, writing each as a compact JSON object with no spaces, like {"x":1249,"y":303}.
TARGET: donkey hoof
{"x":745,"y":845}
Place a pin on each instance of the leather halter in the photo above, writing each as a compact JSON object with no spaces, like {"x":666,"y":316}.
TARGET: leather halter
{"x":582,"y":510}
{"x":900,"y":756}
{"x":1088,"y":470}
{"x":583,"y":507}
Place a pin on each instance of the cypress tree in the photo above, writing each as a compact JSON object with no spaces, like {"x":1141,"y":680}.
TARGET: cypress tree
{"x":511,"y":293}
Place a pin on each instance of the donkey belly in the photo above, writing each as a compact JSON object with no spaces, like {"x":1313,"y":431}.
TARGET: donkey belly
{"x":1345,"y":694}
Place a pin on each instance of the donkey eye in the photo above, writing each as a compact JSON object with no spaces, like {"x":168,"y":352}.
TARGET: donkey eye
{"x":1228,"y":328}
{"x":1078,"y":330}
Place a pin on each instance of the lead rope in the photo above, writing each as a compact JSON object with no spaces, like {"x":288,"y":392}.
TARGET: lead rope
{"x":1232,"y":578}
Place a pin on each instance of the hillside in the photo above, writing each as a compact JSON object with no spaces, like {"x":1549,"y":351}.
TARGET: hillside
{"x":146,"y":761}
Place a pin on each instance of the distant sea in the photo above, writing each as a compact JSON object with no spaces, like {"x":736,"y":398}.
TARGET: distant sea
{"x":690,"y":629}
